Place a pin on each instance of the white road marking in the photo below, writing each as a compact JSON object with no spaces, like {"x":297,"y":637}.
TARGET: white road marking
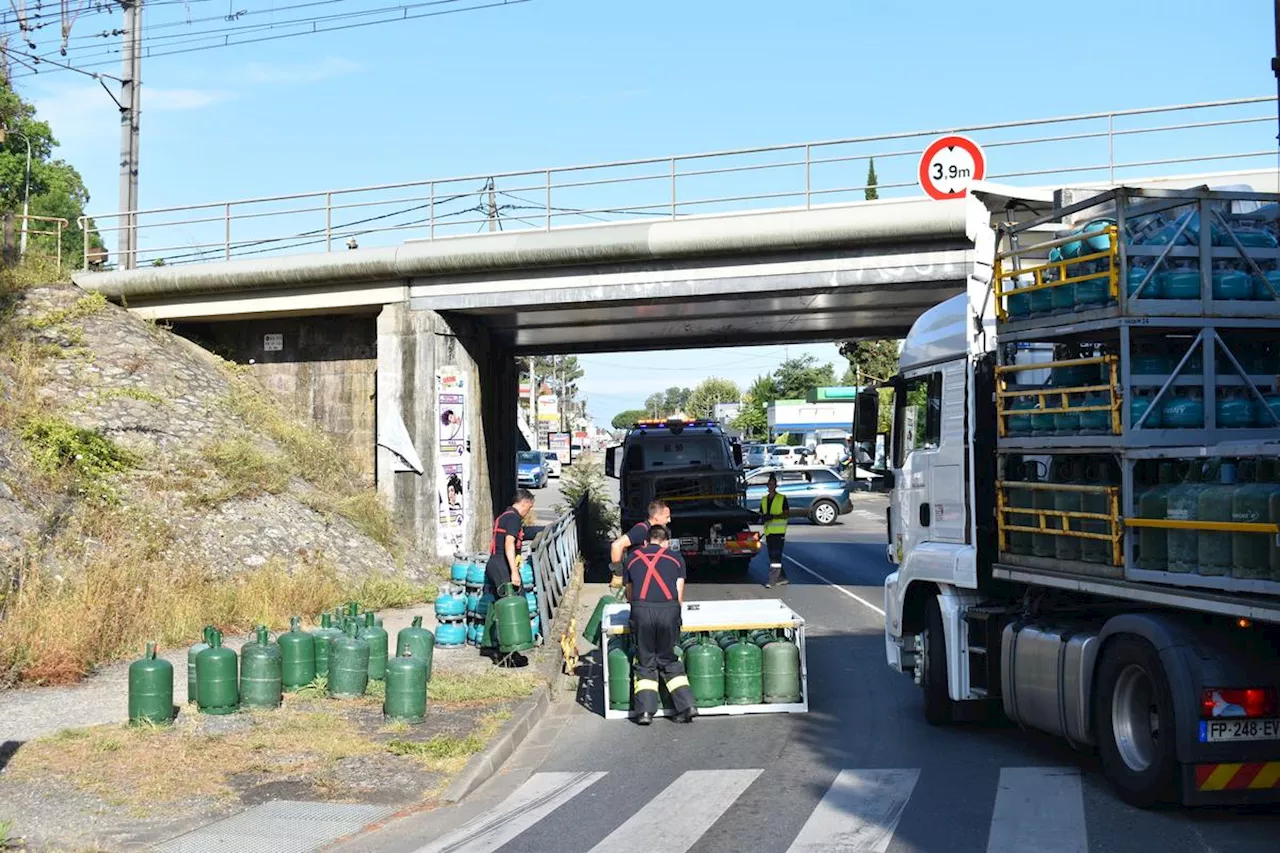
{"x":674,"y":820}
{"x":538,"y":797}
{"x":1038,"y":810}
{"x":830,"y":582}
{"x":858,"y":814}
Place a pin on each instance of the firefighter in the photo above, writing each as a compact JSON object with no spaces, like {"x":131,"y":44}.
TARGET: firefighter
{"x":620,"y":549}
{"x":504,"y":566}
{"x":774,"y":509}
{"x":654,"y":580}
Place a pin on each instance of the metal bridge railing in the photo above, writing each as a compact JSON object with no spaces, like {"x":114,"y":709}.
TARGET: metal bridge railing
{"x":1090,"y":146}
{"x":554,"y":553}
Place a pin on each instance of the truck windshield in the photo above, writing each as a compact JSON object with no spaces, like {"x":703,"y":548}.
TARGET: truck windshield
{"x":677,"y":452}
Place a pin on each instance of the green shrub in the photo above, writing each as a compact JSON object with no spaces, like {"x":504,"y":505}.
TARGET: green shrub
{"x":586,"y":476}
{"x":87,"y":456}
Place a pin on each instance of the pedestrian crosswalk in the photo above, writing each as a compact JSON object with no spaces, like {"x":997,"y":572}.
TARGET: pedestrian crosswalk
{"x":1037,"y":809}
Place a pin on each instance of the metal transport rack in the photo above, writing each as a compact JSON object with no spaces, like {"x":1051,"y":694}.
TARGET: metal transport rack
{"x":707,"y":616}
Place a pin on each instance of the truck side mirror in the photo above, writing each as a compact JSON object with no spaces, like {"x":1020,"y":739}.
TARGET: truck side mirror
{"x":866,"y":415}
{"x":737,"y":455}
{"x":610,"y":463}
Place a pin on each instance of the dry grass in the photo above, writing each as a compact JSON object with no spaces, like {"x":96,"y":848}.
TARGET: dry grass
{"x":312,"y":455}
{"x":56,"y":629}
{"x":246,"y":470}
{"x":144,"y":766}
{"x":459,"y":688}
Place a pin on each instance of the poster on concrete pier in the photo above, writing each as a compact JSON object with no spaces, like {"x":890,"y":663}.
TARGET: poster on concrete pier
{"x":452,"y":461}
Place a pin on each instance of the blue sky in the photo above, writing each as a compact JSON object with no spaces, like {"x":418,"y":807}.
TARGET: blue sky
{"x":559,"y":82}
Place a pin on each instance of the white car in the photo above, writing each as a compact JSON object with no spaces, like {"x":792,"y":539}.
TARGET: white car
{"x":784,"y":456}
{"x":552,"y":462}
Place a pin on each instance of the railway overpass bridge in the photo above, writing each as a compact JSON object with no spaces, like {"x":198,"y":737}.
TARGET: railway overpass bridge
{"x":364,"y":337}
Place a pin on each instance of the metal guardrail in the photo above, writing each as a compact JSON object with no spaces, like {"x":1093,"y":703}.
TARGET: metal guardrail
{"x":795,"y":176}
{"x":554,"y":553}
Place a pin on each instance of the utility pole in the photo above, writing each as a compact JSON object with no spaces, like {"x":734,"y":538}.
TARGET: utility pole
{"x":493,"y":203}
{"x":130,"y":107}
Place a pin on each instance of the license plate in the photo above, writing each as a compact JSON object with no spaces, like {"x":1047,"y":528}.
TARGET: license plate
{"x":1216,"y":731}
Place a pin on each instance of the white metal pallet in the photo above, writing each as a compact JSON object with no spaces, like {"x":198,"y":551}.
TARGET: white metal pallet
{"x":702,"y":616}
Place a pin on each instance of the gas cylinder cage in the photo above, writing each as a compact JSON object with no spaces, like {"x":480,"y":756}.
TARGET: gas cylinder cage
{"x":1118,"y":281}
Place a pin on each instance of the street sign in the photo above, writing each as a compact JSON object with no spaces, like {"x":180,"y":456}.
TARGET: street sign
{"x":949,"y":165}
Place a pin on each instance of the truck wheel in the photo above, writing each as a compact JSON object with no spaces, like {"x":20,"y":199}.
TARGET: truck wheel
{"x":824,"y":513}
{"x":938,"y":707}
{"x":1133,"y":710}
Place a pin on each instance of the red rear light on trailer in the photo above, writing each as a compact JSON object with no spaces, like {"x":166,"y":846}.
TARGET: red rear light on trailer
{"x":1238,"y":702}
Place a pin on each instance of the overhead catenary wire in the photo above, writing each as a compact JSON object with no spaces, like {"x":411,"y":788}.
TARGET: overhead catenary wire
{"x":183,"y":43}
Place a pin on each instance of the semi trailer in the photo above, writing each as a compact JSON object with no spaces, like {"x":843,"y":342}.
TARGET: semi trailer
{"x":1085,"y":485}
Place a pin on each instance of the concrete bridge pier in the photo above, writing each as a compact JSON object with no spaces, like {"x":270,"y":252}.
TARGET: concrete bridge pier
{"x":421,"y":355}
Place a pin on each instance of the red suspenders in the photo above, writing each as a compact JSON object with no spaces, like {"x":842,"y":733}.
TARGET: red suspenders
{"x":651,"y":572}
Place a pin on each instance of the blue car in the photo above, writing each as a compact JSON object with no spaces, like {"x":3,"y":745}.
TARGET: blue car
{"x":814,"y":492}
{"x":532,"y":469}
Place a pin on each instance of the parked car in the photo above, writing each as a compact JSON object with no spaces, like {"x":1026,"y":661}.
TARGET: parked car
{"x":814,"y":492}
{"x":755,"y":455}
{"x":531,"y":469}
{"x":553,"y":463}
{"x":786,"y":456}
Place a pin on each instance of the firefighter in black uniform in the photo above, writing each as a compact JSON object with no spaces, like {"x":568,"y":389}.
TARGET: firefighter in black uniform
{"x":654,"y":579}
{"x":504,"y":566}
{"x":621,"y":548}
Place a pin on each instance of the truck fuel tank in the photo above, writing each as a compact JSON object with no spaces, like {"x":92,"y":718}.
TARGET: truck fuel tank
{"x":1047,"y":675}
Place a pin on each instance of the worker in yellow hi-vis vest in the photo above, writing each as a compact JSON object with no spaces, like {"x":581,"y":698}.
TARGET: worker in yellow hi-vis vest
{"x":774,"y":510}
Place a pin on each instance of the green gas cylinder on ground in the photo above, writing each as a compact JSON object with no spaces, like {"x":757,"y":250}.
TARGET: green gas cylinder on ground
{"x":192,"y":654}
{"x":619,"y":667}
{"x":418,"y":641}
{"x":406,"y":697}
{"x":689,"y":641}
{"x":325,"y":635}
{"x":150,"y":688}
{"x":591,"y":633}
{"x":742,"y":674}
{"x":1250,"y":559}
{"x":1214,"y":504}
{"x":348,"y":665}
{"x":297,"y":656}
{"x":260,"y":685}
{"x":704,"y":664}
{"x":218,"y":690}
{"x":1183,"y":504}
{"x":1067,"y":547}
{"x":1153,"y":544}
{"x":373,"y":634}
{"x":511,"y":616}
{"x":781,"y":672}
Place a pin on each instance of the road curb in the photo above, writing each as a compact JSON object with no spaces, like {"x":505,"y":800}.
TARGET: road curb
{"x":525,"y":716}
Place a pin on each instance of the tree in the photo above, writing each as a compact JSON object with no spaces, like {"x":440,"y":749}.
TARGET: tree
{"x":624,"y":420}
{"x":796,"y":377}
{"x":655,"y":405}
{"x":702,"y":400}
{"x":871,"y":361}
{"x":676,"y":399}
{"x":871,"y":193}
{"x":753,"y":419}
{"x":56,"y":188}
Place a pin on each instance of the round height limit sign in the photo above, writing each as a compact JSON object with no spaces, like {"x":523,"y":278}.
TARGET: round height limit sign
{"x":950,"y":165}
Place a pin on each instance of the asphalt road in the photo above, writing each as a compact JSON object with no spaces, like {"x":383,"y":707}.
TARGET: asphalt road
{"x":861,"y":771}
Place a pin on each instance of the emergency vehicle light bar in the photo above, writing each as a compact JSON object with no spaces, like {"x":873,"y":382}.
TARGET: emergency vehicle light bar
{"x":662,"y":422}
